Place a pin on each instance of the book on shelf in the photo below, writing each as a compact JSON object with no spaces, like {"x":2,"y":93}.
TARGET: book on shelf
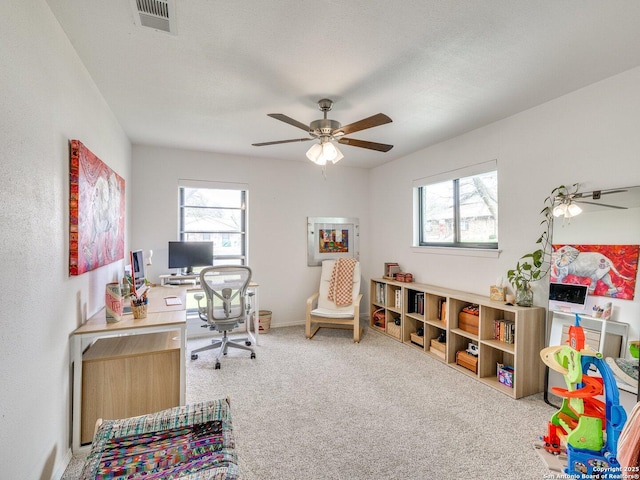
{"x":398,"y":299}
{"x":504,"y":330}
{"x":442,"y":310}
{"x":418,"y":303}
{"x":380,"y":293}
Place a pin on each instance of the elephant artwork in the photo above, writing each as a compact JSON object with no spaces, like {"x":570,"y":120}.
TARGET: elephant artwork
{"x":610,"y":270}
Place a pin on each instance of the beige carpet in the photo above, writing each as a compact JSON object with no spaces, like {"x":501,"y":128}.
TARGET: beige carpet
{"x":330,"y":409}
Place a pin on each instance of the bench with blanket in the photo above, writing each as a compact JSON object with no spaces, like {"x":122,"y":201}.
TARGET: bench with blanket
{"x":193,"y":442}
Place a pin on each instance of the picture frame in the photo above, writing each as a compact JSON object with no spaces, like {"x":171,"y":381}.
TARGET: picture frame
{"x":608,"y":270}
{"x":330,"y":238}
{"x":96,"y":211}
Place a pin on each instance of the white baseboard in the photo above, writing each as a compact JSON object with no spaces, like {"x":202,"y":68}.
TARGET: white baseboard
{"x":58,"y":472}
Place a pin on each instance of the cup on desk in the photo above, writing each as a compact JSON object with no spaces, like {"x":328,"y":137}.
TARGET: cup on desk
{"x":139,"y":311}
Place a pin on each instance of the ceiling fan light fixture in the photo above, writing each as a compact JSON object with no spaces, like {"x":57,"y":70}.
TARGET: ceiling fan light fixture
{"x":572,"y":210}
{"x":560,"y":210}
{"x":329,"y":151}
{"x":567,"y":209}
{"x":321,"y":153}
{"x":339,"y":157}
{"x":315,"y":152}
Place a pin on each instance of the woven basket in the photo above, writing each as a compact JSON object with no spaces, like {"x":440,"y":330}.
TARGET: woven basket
{"x":264,"y":321}
{"x":139,"y":311}
{"x":393,"y":329}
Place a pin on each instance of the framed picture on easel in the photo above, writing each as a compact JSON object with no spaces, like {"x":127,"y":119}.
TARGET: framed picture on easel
{"x":331,"y":237}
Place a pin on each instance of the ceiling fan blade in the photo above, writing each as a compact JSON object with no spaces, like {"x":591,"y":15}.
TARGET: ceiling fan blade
{"x":283,"y":118}
{"x":281,"y":141}
{"x":602,"y":204}
{"x":596,"y":194}
{"x":369,"y":122}
{"x":381,"y":147}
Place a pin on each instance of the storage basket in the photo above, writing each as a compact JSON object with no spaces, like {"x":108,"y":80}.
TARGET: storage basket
{"x":264,"y":321}
{"x":139,"y":311}
{"x":417,"y":339}
{"x":393,"y":329}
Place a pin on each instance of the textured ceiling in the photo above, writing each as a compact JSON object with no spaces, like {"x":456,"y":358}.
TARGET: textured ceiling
{"x":437,"y":68}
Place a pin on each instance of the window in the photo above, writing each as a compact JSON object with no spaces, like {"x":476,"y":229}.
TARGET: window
{"x":218,"y":215}
{"x":459,"y":212}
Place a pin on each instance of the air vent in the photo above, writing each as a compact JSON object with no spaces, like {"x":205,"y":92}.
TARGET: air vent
{"x":156,"y":14}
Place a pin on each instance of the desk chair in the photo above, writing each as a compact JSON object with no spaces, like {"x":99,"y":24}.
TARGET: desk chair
{"x":225,"y":289}
{"x":323,"y":311}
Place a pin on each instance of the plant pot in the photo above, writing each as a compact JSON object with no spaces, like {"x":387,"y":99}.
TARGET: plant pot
{"x":524,"y":297}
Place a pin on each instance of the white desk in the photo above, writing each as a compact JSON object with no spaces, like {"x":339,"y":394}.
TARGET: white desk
{"x":608,"y":337}
{"x":160,"y":318}
{"x":192,"y":284}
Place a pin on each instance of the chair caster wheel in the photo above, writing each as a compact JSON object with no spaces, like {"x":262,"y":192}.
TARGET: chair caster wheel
{"x":194,"y":356}
{"x":253,"y":355}
{"x":217,"y":365}
{"x":247,"y":343}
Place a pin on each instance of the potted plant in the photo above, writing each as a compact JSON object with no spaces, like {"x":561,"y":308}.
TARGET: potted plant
{"x":536,"y":265}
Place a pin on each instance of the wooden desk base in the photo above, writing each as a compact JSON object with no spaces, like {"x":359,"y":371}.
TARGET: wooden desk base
{"x":129,"y":376}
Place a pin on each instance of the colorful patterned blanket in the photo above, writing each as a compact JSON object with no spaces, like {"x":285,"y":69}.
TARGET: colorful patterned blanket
{"x":193,"y":442}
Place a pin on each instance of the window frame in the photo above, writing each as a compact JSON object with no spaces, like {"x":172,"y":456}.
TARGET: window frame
{"x":243,"y":208}
{"x":453,"y":176}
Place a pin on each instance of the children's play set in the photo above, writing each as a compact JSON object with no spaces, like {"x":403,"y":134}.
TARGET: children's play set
{"x":585,"y":428}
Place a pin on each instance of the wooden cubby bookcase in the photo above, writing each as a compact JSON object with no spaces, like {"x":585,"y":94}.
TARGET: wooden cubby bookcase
{"x":523,"y":354}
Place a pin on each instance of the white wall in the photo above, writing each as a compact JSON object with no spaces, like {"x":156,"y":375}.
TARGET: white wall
{"x":282,"y":195}
{"x":589,"y":136}
{"x":46,"y":98}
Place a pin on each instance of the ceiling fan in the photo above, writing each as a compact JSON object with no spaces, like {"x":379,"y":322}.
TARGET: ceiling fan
{"x":568,"y":204}
{"x":327,"y":130}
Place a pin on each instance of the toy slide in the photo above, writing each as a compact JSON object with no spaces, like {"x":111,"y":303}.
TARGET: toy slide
{"x":585,"y":428}
{"x":592,"y":387}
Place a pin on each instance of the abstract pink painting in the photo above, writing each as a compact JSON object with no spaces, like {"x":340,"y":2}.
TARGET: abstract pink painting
{"x":96,"y":212}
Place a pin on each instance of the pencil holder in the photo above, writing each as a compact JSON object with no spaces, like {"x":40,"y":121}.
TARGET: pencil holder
{"x":139,"y":311}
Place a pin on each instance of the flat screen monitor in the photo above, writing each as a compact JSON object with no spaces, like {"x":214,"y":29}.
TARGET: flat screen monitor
{"x":568,"y":297}
{"x":137,"y":272}
{"x":187,"y":255}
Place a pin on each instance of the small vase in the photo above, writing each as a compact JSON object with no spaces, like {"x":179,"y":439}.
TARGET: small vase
{"x":524,"y":296}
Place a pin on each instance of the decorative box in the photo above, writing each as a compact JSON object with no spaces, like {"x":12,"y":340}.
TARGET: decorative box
{"x":468,"y":322}
{"x":404,"y":277}
{"x":436,"y":345}
{"x":467,"y":361}
{"x":505,"y":375}
{"x":417,"y":339}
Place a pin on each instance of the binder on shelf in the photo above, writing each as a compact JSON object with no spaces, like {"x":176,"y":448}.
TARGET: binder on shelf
{"x":418,"y":303}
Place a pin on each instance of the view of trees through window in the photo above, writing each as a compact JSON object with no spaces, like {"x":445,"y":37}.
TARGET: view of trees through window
{"x":217,"y":215}
{"x":460,"y":212}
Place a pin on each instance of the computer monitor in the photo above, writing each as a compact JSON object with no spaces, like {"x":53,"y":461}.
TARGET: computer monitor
{"x":187,"y":255}
{"x":568,"y":297}
{"x":137,"y":272}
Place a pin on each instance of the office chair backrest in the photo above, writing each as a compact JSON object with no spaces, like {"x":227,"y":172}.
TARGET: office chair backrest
{"x":225,"y":288}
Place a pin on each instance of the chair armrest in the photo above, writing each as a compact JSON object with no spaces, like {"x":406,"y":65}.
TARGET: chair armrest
{"x":356,"y":306}
{"x":311,"y":301}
